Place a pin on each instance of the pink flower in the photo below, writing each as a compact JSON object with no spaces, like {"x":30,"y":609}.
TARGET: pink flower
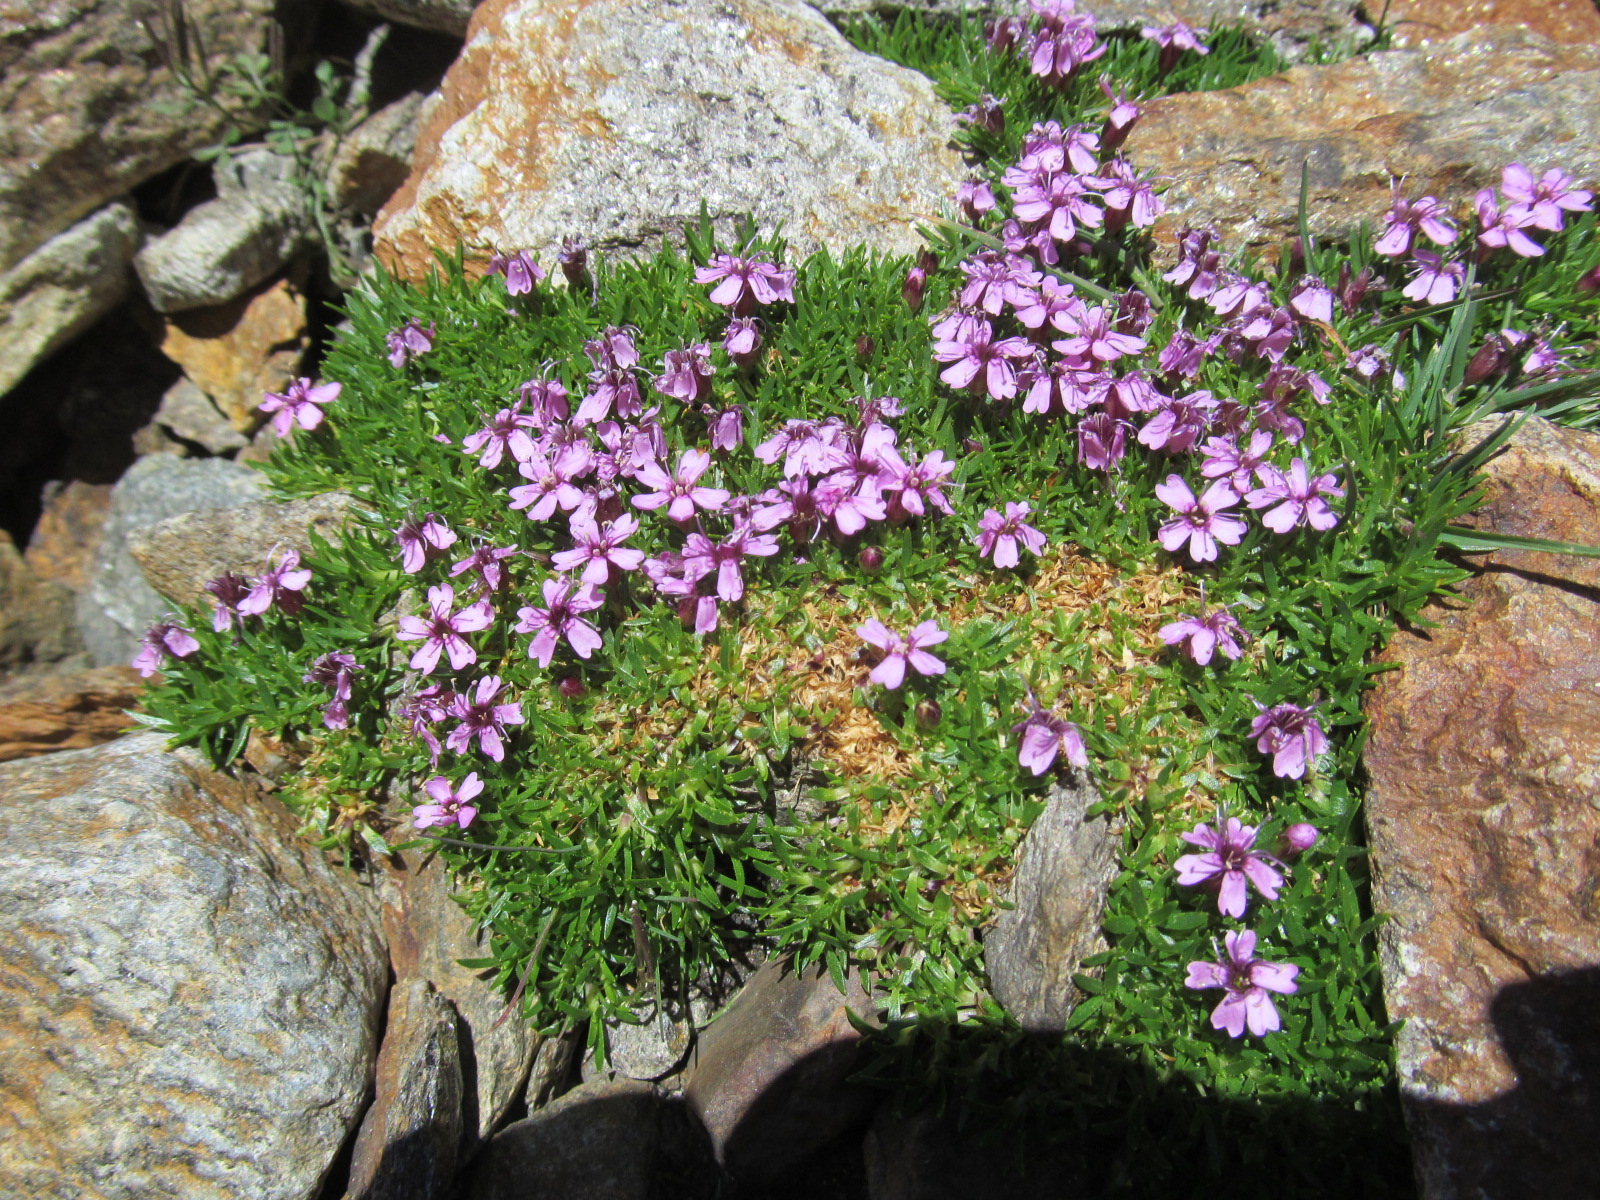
{"x":300,"y":405}
{"x":1298,"y":496}
{"x":1094,"y":338}
{"x":163,"y":638}
{"x":1542,"y":203}
{"x":334,"y":670}
{"x":999,"y":536}
{"x":423,"y":709}
{"x":1497,"y":229}
{"x":1228,"y":862}
{"x":742,"y":340}
{"x":975,"y":197}
{"x":521,"y":270}
{"x":229,"y":589}
{"x":1102,"y":441}
{"x":1120,"y":120}
{"x":440,"y":631}
{"x":1405,"y":218}
{"x":686,"y":374}
{"x":1247,"y":980}
{"x":742,"y":283}
{"x":279,"y":585}
{"x":680,"y":492}
{"x":410,"y":341}
{"x":1064,"y":41}
{"x":508,"y":430}
{"x":550,"y":488}
{"x":599,"y":548}
{"x":1291,"y":735}
{"x":1297,"y":839}
{"x":1201,"y":636}
{"x":450,"y":804}
{"x":899,"y":651}
{"x":561,"y":617}
{"x":968,"y":344}
{"x":480,"y":717}
{"x":1433,"y":280}
{"x":1312,"y":299}
{"x":1043,"y":736}
{"x":915,"y":487}
{"x":1199,"y":522}
{"x":1225,"y":459}
{"x":422,"y":540}
{"x":726,"y":558}
{"x":489,"y":563}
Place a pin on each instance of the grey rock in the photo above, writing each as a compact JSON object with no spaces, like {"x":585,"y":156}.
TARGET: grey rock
{"x":409,"y":1139}
{"x":428,"y":933}
{"x":118,"y":605}
{"x":614,"y":121}
{"x":224,"y":247}
{"x":181,"y":554}
{"x":188,"y":412}
{"x":1058,"y":896}
{"x":769,"y":1075}
{"x":63,"y":287}
{"x":552,"y":1067}
{"x":440,"y":16}
{"x":374,"y":160}
{"x":600,"y":1141}
{"x":36,"y":624}
{"x":193,"y":994}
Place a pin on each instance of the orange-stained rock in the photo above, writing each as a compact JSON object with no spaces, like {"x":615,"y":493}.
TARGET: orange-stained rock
{"x":68,"y":533}
{"x":43,"y":713}
{"x":236,"y":351}
{"x":1484,"y":816}
{"x":615,"y":121}
{"x":1416,"y":22}
{"x":1447,"y":117}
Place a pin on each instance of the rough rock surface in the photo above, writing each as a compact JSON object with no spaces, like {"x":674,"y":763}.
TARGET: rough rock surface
{"x":118,"y":605}
{"x":223,"y":247}
{"x":441,"y":16}
{"x":1447,"y":117}
{"x":768,"y":1079}
{"x":410,"y":1137}
{"x":91,"y":110}
{"x":1058,"y":895}
{"x":68,"y":711}
{"x":1484,"y":760}
{"x":236,"y":351}
{"x":1293,"y":26}
{"x":63,"y":287}
{"x":186,"y":412}
{"x":189,"y":994}
{"x":1417,"y":22}
{"x":64,"y":541}
{"x":35,"y":615}
{"x":601,"y":1141}
{"x":374,"y":160}
{"x":428,"y":932}
{"x":614,"y":121}
{"x":181,"y":554}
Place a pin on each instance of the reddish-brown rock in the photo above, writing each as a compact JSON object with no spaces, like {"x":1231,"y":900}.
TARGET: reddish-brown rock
{"x":1484,"y":814}
{"x":41,"y":713}
{"x":1417,"y":22}
{"x":236,"y":351}
{"x":68,"y":533}
{"x":1447,"y":117}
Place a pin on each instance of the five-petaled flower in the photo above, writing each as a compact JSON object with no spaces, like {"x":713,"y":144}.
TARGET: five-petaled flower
{"x":1199,"y":522}
{"x":163,"y":638}
{"x":742,"y":283}
{"x":451,"y":804}
{"x":1200,"y":636}
{"x":1000,"y":535}
{"x":410,"y":341}
{"x":561,"y":617}
{"x":279,"y":585}
{"x":1291,"y":734}
{"x":480,"y":717}
{"x":334,"y":670}
{"x":1042,"y":737}
{"x":421,"y":540}
{"x":1298,"y":496}
{"x":1229,"y":861}
{"x":300,"y":405}
{"x":599,"y":547}
{"x":680,"y":492}
{"x":440,"y":631}
{"x":899,"y":651}
{"x":1247,"y":980}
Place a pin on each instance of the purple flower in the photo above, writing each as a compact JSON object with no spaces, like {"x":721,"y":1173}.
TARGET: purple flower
{"x":968,"y":344}
{"x":441,"y":630}
{"x":163,"y":638}
{"x":573,"y":259}
{"x":507,"y":431}
{"x":1174,"y":39}
{"x":450,"y":804}
{"x":1057,"y":203}
{"x":548,"y":489}
{"x":1497,"y":229}
{"x":1094,"y":338}
{"x":1120,"y":120}
{"x":410,"y":341}
{"x":1102,"y":441}
{"x":680,"y":492}
{"x":561,"y":617}
{"x":1179,"y":424}
{"x":279,"y":585}
{"x":1368,"y":361}
{"x":1224,"y":459}
{"x":521,"y":270}
{"x":1433,"y":280}
{"x":488,"y":562}
{"x":334,"y":670}
{"x":975,"y":197}
{"x":616,"y":386}
{"x":1297,"y":839}
{"x":600,"y":548}
{"x":1183,"y":354}
{"x":1064,"y":41}
{"x":1298,"y":496}
{"x":300,"y":405}
{"x":1129,"y":199}
{"x":742,"y":340}
{"x":1406,"y":218}
{"x":1199,"y":522}
{"x":999,"y":536}
{"x":686,"y":374}
{"x":1043,"y":736}
{"x":422,"y":540}
{"x":746,"y":282}
{"x":917,"y":486}
{"x":1353,"y":288}
{"x":546,"y":400}
{"x":986,"y":113}
{"x":1247,"y":980}
{"x":1312,"y":299}
{"x":229,"y":589}
{"x":1542,"y":202}
{"x":899,"y":651}
{"x":423,"y":709}
{"x":1210,"y":631}
{"x":480,"y":717}
{"x":1199,"y":267}
{"x":726,"y":558}
{"x":1229,"y":860}
{"x":1291,"y":735}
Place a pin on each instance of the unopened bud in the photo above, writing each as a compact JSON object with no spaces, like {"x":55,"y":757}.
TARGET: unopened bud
{"x":916,"y":283}
{"x":865,"y":347}
{"x":1588,"y":283}
{"x":1297,"y":839}
{"x":570,"y":686}
{"x":972,"y":445}
{"x":871,"y":559}
{"x":928,"y":261}
{"x":1489,"y":360}
{"x":574,"y":260}
{"x":929,"y":714}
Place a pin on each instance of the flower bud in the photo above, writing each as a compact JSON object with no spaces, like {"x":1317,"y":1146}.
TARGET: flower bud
{"x":1297,"y":839}
{"x":928,"y":261}
{"x":929,"y":714}
{"x":574,"y":260}
{"x":972,"y":445}
{"x":1489,"y":360}
{"x":865,"y":347}
{"x":916,"y":283}
{"x":871,"y":559}
{"x":1588,"y":283}
{"x":570,"y":686}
